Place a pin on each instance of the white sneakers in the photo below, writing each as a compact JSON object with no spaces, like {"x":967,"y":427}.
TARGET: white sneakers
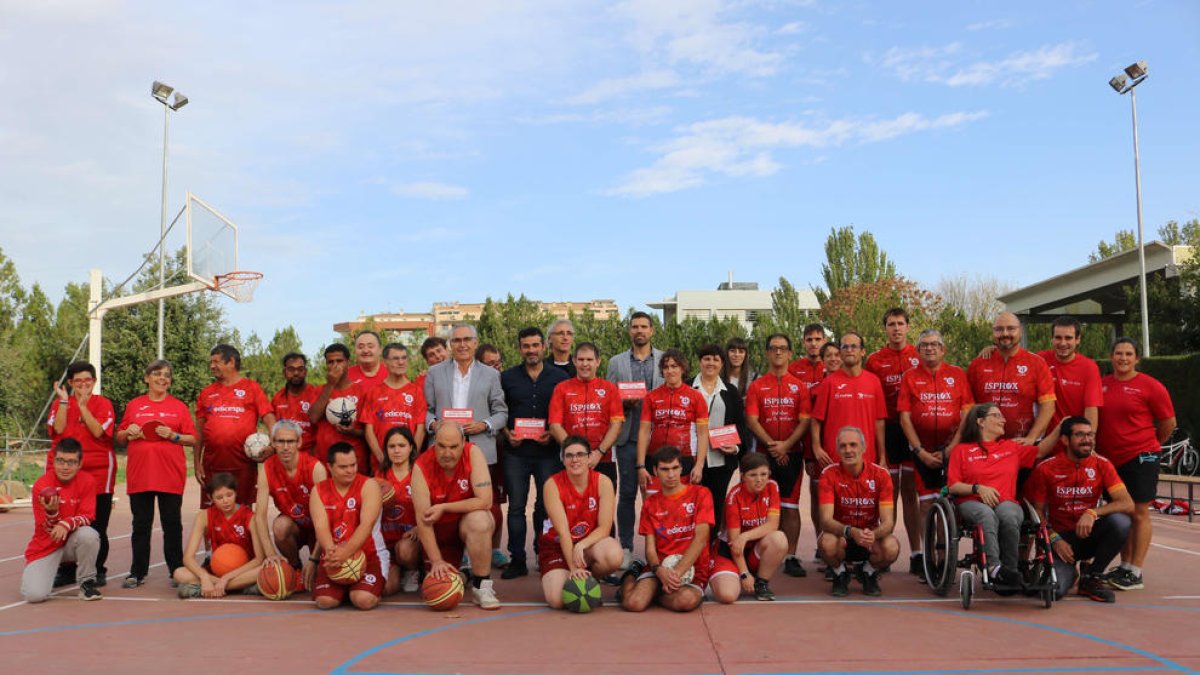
{"x":411,"y":581}
{"x":484,"y":597}
{"x":626,"y":559}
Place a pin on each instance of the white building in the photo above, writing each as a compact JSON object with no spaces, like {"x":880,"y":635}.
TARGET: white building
{"x":740,"y":299}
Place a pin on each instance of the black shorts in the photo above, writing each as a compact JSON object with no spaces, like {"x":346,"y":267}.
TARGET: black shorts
{"x":931,"y":480}
{"x":785,"y":475}
{"x":856,"y":553}
{"x":895,"y":444}
{"x":1140,"y":476}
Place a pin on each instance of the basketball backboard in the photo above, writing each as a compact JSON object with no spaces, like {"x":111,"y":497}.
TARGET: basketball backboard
{"x":212,"y":243}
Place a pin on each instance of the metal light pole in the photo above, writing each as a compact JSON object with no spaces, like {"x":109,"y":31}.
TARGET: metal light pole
{"x":162,"y":93}
{"x":1137,"y":73}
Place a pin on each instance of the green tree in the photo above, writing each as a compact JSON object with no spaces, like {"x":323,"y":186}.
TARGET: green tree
{"x":861,"y":308}
{"x":1123,"y":241}
{"x":852,"y":259}
{"x":12,"y":295}
{"x":265,"y":364}
{"x":499,"y":323}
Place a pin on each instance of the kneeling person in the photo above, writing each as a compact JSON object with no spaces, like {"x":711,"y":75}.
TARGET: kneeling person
{"x":675,"y":521}
{"x":345,"y":510}
{"x":752,"y":546}
{"x":225,"y":522}
{"x":857,"y":515}
{"x":62,"y":529}
{"x":580,"y":503}
{"x":287,"y":478}
{"x":452,"y":500}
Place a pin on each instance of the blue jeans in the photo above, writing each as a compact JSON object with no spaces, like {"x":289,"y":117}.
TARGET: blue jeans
{"x":519,"y":469}
{"x":627,"y":492}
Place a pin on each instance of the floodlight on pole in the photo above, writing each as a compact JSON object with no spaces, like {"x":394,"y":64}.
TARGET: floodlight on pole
{"x":1137,"y":72}
{"x":163,"y":94}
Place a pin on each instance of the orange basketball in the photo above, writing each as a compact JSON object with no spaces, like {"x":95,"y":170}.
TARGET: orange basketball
{"x":351,"y":571}
{"x":277,"y":580}
{"x":227,"y":558}
{"x":387,"y":491}
{"x":442,"y":594}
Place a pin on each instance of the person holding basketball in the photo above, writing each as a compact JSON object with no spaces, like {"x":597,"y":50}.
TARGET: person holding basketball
{"x":676,"y":523}
{"x":287,"y":477}
{"x":575,"y":543}
{"x":225,"y":522}
{"x":398,"y":522}
{"x":227,"y":411}
{"x":345,"y":510}
{"x":751,"y":546}
{"x":452,"y":500}
{"x":349,"y":430}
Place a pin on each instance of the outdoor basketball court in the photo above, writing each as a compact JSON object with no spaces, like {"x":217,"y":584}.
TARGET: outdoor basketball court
{"x":908,"y":630}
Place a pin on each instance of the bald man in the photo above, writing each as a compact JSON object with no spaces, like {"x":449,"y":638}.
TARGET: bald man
{"x":1016,"y":380}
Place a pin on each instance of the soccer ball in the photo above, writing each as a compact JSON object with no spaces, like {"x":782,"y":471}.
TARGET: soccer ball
{"x":341,"y":410}
{"x":257,"y":446}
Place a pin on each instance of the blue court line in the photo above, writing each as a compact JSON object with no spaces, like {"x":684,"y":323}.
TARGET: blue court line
{"x":344,"y":669}
{"x":139,"y":622}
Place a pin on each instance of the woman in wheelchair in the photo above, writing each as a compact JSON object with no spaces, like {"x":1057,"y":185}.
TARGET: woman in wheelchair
{"x":982,"y":479}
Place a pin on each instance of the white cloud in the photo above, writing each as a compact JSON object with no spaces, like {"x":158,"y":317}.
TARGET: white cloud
{"x":939,"y":65}
{"x":621,"y":86}
{"x":695,"y":33}
{"x":627,"y":116}
{"x":430,"y":190}
{"x":791,"y":28}
{"x":742,"y":146}
{"x":996,"y":24}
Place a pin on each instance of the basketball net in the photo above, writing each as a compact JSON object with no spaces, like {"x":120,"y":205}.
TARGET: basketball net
{"x":239,"y":285}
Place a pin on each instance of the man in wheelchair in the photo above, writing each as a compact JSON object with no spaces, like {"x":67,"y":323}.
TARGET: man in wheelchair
{"x":1066,"y":490}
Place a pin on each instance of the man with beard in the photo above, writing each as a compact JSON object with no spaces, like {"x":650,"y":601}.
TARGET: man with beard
{"x":1016,"y":380}
{"x":295,"y":400}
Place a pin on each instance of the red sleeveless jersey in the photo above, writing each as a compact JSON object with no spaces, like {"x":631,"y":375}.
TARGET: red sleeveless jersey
{"x":583,"y":508}
{"x":343,"y":512}
{"x":399,"y":517}
{"x":291,"y":494}
{"x":444,"y":489}
{"x":232,"y":530}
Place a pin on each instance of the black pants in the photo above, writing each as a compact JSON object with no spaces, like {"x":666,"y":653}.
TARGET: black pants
{"x":716,"y":479}
{"x":169,"y":507}
{"x":1108,"y":538}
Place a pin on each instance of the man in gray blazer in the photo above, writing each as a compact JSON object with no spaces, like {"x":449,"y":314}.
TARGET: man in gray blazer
{"x":637,"y":364}
{"x":462,"y":383}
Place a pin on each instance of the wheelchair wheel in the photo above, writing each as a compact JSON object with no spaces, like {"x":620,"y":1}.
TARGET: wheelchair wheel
{"x":941,"y":546}
{"x":966,"y":588}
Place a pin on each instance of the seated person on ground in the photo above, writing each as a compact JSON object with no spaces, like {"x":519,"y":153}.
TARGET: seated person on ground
{"x":345,"y":510}
{"x":225,"y":522}
{"x":752,"y":546}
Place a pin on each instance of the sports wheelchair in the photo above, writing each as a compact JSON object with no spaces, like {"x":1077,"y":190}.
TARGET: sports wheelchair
{"x":943,"y":530}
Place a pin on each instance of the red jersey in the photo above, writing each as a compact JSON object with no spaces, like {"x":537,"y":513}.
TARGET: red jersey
{"x":889,"y":365}
{"x":399,"y":516}
{"x":344,"y":511}
{"x":780,"y":404}
{"x":445,"y":489}
{"x":76,"y":508}
{"x":291,"y":494}
{"x":844,"y":400}
{"x":935,"y":402}
{"x":99,"y":460}
{"x":993,"y":464}
{"x":807,"y":372}
{"x":229,"y":414}
{"x":327,"y":434}
{"x":673,"y":414}
{"x":234,"y":529}
{"x":1017,"y":386}
{"x":156,"y":464}
{"x":384,"y":407}
{"x":745,"y":510}
{"x":357,"y":376}
{"x":673,"y":519}
{"x":856,"y":500}
{"x":586,"y":409}
{"x":1076,"y":385}
{"x":1127,"y":418}
{"x":1068,"y":489}
{"x":295,"y":408}
{"x":583,"y":508}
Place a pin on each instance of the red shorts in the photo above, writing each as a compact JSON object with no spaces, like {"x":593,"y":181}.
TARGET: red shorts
{"x":449,"y":542}
{"x":724,"y":565}
{"x":372,"y":582}
{"x":247,"y":482}
{"x":550,"y":557}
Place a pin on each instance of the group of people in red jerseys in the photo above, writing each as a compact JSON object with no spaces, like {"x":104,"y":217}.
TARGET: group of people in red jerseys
{"x":867,"y":431}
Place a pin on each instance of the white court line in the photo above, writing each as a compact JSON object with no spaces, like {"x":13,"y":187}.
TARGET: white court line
{"x":119,"y":536}
{"x":1179,"y":550}
{"x":11,"y":605}
{"x":1181,"y":597}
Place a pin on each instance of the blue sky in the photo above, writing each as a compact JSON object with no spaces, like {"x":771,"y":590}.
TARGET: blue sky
{"x":381,"y":156}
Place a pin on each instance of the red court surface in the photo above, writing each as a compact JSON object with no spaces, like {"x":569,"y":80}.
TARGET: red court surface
{"x":908,"y":630}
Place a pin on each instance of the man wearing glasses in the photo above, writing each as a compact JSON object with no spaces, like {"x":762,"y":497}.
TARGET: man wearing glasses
{"x":1016,"y":380}
{"x":88,"y":418}
{"x":562,"y":342}
{"x":850,"y":397}
{"x":64,"y":503}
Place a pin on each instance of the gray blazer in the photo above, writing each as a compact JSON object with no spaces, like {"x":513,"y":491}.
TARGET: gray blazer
{"x":620,"y":369}
{"x":485,"y":397}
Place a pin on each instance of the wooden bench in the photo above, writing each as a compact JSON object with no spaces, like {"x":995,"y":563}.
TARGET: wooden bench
{"x":1190,"y":481}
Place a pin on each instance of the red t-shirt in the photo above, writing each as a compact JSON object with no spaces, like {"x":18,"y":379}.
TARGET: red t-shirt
{"x":384,"y":407}
{"x":673,"y":520}
{"x":1127,"y":418}
{"x":586,"y":409}
{"x":856,"y":401}
{"x":357,"y":376}
{"x":229,"y":414}
{"x":291,"y":494}
{"x":935,"y":402}
{"x":99,"y":460}
{"x":232,"y":530}
{"x":779,"y":403}
{"x":1068,"y":489}
{"x":398,"y":517}
{"x":295,"y":408}
{"x":673,"y":414}
{"x":76,"y":508}
{"x":446,"y":489}
{"x":582,"y":508}
{"x":344,"y":511}
{"x":746,"y":510}
{"x":327,"y":434}
{"x":889,"y":365}
{"x":807,"y":372}
{"x":996,"y":468}
{"x":1018,"y":386}
{"x":155,"y":464}
{"x":856,"y":500}
{"x":1076,"y":385}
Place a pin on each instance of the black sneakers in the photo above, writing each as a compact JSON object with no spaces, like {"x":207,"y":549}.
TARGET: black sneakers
{"x":1124,"y":579}
{"x":88,"y":590}
{"x":916,"y":565}
{"x":870,"y":584}
{"x":1092,"y":586}
{"x":514,"y":569}
{"x":793,"y":568}
{"x":841,"y":585}
{"x":762,"y":591}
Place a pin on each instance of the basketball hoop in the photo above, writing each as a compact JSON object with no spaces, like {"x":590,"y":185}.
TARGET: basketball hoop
{"x":238,"y":285}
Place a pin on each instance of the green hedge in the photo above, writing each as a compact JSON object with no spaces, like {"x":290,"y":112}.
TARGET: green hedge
{"x":1181,"y":376}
